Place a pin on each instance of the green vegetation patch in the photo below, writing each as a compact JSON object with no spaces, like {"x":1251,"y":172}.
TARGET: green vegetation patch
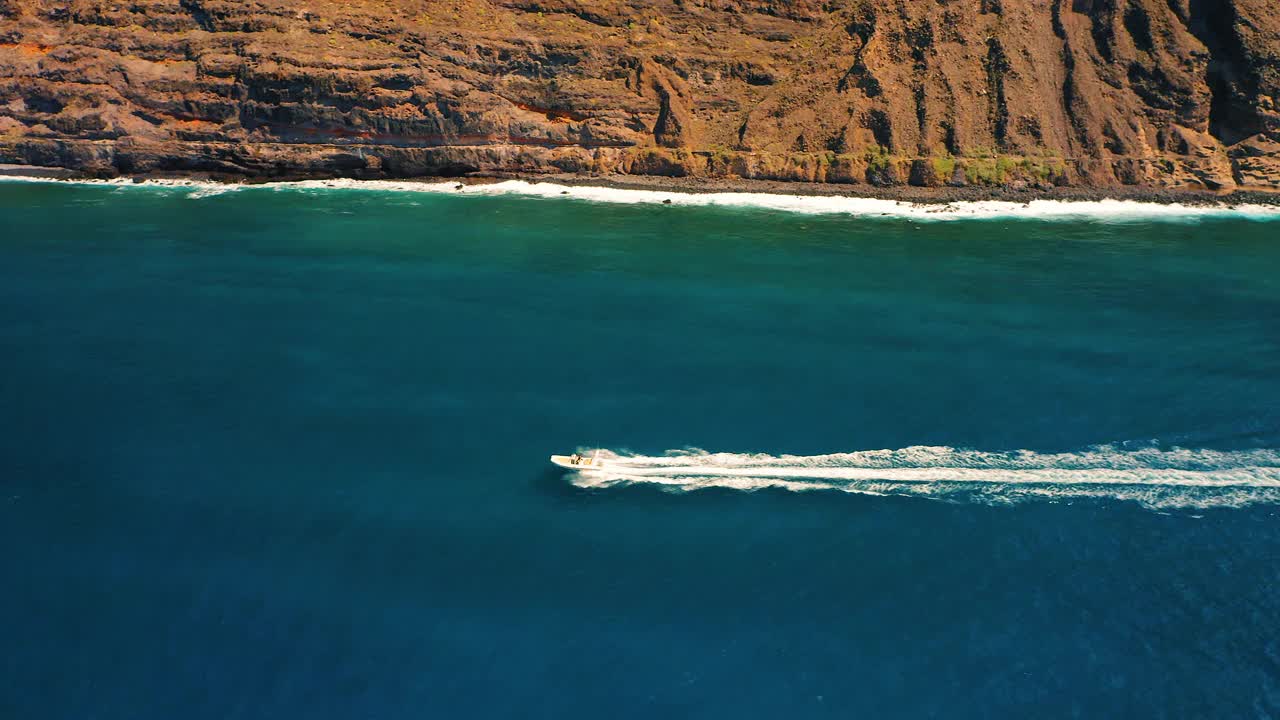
{"x":878,"y":158}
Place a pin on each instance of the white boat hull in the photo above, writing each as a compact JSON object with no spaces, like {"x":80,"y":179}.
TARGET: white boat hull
{"x":582,"y":463}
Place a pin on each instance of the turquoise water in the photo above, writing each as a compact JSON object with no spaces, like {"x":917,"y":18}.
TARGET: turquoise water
{"x":283,"y":453}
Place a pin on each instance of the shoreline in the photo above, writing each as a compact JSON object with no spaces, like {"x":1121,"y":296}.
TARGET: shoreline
{"x":823,"y":198}
{"x":939,"y":195}
{"x":906,"y":193}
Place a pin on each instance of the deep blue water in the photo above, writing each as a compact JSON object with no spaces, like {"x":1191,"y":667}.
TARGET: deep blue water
{"x":283,"y":454}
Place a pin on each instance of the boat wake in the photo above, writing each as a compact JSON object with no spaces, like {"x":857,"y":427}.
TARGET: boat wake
{"x":1155,"y":478}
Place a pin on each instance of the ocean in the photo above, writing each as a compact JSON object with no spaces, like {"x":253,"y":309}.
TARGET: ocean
{"x":282,"y":452}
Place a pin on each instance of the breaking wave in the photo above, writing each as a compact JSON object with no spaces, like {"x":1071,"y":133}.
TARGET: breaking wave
{"x":1156,"y":478}
{"x":1096,"y":210}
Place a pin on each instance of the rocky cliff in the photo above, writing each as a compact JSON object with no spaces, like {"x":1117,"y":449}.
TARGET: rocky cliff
{"x":1094,"y":93}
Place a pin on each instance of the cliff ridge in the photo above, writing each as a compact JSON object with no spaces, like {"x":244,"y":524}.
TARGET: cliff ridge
{"x":1031,"y":93}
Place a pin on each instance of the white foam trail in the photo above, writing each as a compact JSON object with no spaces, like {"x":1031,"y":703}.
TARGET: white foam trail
{"x":1097,"y":210}
{"x":1172,"y":478}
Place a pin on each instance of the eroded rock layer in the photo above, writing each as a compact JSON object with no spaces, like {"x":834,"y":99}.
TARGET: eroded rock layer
{"x":1152,"y":93}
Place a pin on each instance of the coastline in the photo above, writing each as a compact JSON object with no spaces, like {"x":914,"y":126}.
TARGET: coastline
{"x":944,"y":195}
{"x":822,"y":198}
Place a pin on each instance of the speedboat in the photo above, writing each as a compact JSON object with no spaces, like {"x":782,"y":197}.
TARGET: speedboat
{"x":578,"y":462}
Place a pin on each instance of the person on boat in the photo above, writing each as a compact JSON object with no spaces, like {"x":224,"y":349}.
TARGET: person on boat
{"x":575,"y":458}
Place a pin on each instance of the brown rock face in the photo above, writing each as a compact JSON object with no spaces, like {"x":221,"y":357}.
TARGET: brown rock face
{"x":1150,"y":93}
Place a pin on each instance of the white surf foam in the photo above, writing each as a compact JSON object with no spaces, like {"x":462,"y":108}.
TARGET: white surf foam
{"x":213,"y":189}
{"x":1100,"y":210}
{"x":1156,"y":478}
